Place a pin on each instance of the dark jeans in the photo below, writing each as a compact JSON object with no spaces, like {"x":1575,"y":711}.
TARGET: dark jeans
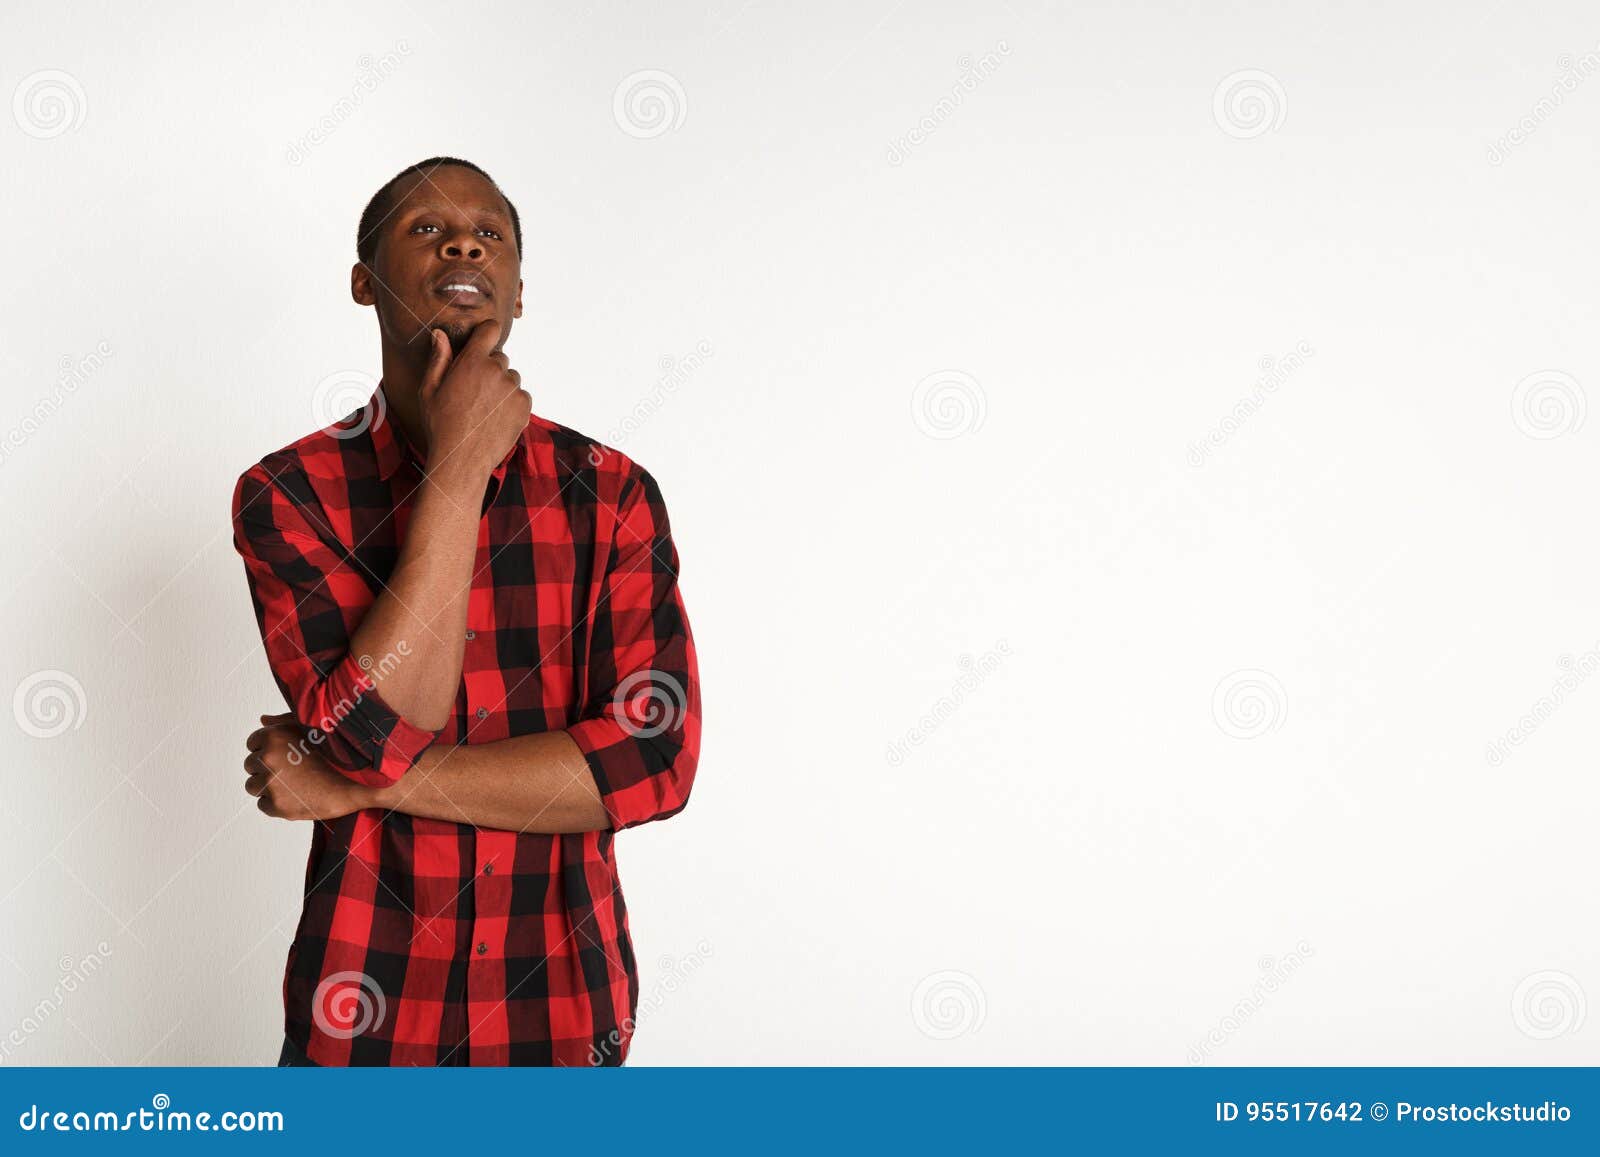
{"x":292,"y":1057}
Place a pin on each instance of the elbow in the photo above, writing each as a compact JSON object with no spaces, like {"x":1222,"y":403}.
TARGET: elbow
{"x":655,"y":797}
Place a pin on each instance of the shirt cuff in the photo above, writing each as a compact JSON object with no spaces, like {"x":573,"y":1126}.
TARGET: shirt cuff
{"x":366,"y":739}
{"x":637,"y":784}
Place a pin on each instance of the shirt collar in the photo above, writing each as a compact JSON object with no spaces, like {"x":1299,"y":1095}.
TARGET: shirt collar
{"x":392,"y":446}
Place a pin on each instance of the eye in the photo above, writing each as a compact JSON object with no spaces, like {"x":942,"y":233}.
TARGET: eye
{"x":421,"y":228}
{"x":495,"y":233}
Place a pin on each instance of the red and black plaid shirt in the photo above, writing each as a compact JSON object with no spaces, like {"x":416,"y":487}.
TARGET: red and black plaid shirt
{"x":426,"y":942}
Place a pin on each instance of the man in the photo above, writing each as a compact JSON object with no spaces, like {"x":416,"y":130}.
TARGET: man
{"x":474,"y":615}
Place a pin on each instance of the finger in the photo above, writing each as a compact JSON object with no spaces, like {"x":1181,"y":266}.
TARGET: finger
{"x":439,"y":359}
{"x":257,"y":739}
{"x":255,"y":785}
{"x":265,"y":807}
{"x":255,"y":765}
{"x":516,"y":378}
{"x":499,"y":358}
{"x":286,"y":717}
{"x":483,"y":340}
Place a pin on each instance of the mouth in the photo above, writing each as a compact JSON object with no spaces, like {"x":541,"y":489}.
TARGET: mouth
{"x":462,"y":288}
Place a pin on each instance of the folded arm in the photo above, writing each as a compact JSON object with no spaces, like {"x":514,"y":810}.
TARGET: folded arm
{"x":630,"y":759}
{"x":371,"y":679}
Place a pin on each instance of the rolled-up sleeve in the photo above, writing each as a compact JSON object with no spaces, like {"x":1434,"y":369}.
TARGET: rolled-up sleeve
{"x":641,"y":731}
{"x":309,"y":600}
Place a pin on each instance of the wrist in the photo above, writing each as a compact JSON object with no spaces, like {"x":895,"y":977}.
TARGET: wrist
{"x":391,"y":795}
{"x":459,"y":477}
{"x":359,"y":797}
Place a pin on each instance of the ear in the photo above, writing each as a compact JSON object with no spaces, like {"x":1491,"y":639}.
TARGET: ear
{"x":361,"y":284}
{"x":516,"y":308}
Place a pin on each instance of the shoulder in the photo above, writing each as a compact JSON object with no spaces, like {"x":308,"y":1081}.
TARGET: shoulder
{"x":333,"y":455}
{"x":615,"y":478}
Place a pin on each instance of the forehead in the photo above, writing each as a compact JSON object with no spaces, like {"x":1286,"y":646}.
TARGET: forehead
{"x":448,"y":187}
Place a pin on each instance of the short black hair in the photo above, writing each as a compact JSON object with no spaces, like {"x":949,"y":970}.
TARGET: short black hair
{"x":379,"y":207}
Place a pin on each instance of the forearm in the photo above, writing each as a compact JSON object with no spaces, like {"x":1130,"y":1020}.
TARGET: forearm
{"x":412,"y":638}
{"x":531,"y":783}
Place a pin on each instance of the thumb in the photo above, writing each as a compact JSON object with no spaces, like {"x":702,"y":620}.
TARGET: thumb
{"x":439,"y":359}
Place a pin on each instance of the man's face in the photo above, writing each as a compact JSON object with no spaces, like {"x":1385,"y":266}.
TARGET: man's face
{"x":446,"y":259}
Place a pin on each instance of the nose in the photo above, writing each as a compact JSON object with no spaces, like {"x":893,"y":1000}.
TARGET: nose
{"x":459,"y":243}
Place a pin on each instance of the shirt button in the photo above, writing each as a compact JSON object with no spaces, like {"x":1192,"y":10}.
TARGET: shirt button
{"x":488,"y":869}
{"x":472,"y":634}
{"x":482,"y":948}
{"x":483,"y":713}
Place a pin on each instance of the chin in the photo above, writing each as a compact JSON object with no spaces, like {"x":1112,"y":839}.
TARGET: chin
{"x":458,"y":332}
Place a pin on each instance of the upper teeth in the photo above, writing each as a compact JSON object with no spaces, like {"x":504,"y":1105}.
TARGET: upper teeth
{"x":463,"y":285}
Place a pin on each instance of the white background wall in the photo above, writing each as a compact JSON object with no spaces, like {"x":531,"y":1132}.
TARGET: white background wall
{"x":1114,"y":845}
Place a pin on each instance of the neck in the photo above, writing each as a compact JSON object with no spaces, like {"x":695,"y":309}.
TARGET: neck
{"x":403,"y":369}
